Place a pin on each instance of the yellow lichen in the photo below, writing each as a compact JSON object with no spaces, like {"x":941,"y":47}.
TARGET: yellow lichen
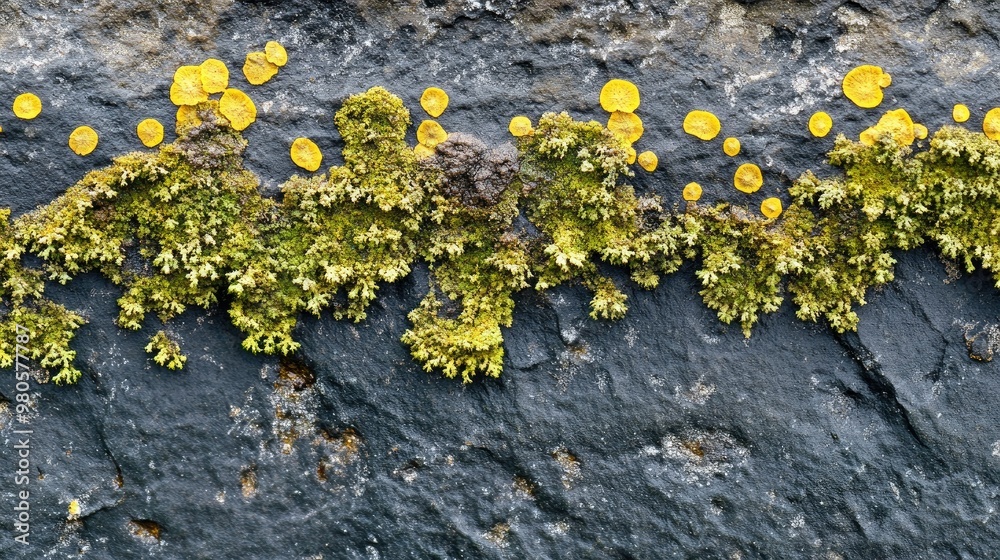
{"x":275,"y":53}
{"x":897,"y":123}
{"x":991,"y":124}
{"x":631,"y":156}
{"x":258,"y":69}
{"x":692,"y":192}
{"x":214,"y":76}
{"x":27,"y":106}
{"x":73,"y":509}
{"x":771,"y":207}
{"x":960,"y":113}
{"x":238,"y":108}
{"x":430,"y":133}
{"x":748,"y":178}
{"x":863,"y":85}
{"x":731,"y":146}
{"x":619,"y":95}
{"x":920,"y":131}
{"x":820,"y":124}
{"x":520,"y":126}
{"x":306,"y":154}
{"x":702,"y":124}
{"x":187,"y":115}
{"x":187,"y":88}
{"x":423,"y":152}
{"x":648,"y":161}
{"x":626,"y":125}
{"x":434,"y":101}
{"x":150,"y":132}
{"x":83,"y":140}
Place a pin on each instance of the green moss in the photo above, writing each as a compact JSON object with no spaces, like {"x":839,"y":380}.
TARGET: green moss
{"x":50,"y":326}
{"x":168,"y":352}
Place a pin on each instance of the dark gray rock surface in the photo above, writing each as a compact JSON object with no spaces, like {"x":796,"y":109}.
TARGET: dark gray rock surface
{"x":665,"y":434}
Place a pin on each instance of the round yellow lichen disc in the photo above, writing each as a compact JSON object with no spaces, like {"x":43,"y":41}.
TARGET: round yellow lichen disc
{"x":258,"y":69}
{"x":619,"y":95}
{"x":648,"y":161}
{"x":960,"y":113}
{"x":863,"y":85}
{"x":991,"y":124}
{"x":423,"y":152}
{"x":150,"y":132}
{"x":731,"y":146}
{"x":214,"y":76}
{"x":430,"y":134}
{"x":275,"y":53}
{"x":238,"y":108}
{"x":820,"y":124}
{"x":626,"y":125}
{"x":868,"y":136}
{"x":748,"y":178}
{"x":899,"y":124}
{"x":631,"y":156}
{"x":83,"y":140}
{"x":520,"y":126}
{"x":306,"y":154}
{"x":187,"y":88}
{"x":692,"y":192}
{"x":434,"y":101}
{"x":702,"y":124}
{"x":920,"y":131}
{"x":771,"y":207}
{"x":187,"y":115}
{"x":27,"y":106}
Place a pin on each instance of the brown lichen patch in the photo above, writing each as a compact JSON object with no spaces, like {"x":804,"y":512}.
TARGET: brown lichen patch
{"x":147,"y":531}
{"x":982,"y":343}
{"x":524,"y":488}
{"x":248,"y":481}
{"x":294,"y":403}
{"x":570,"y":465}
{"x":337,"y":452}
{"x":258,"y":69}
{"x":497,"y":534}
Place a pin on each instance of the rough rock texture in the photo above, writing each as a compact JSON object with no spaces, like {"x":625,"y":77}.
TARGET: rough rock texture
{"x":664,"y":434}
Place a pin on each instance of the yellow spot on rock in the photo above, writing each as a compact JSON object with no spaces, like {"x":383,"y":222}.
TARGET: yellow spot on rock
{"x":771,"y":207}
{"x":692,"y":192}
{"x":74,"y":509}
{"x":702,"y":124}
{"x":619,"y":95}
{"x":897,"y":123}
{"x":434,"y":101}
{"x":275,"y":53}
{"x":960,"y":113}
{"x":863,"y":85}
{"x":150,"y":132}
{"x":187,"y":115}
{"x":306,"y":154}
{"x":214,"y":76}
{"x":748,"y":178}
{"x":731,"y":146}
{"x":820,"y":124}
{"x":83,"y":140}
{"x":648,"y":161}
{"x":423,"y":152}
{"x":520,"y":126}
{"x":626,"y":125}
{"x":920,"y":131}
{"x":27,"y":106}
{"x":238,"y":108}
{"x":991,"y":124}
{"x":187,"y":88}
{"x":631,"y":156}
{"x":258,"y":69}
{"x":430,"y":133}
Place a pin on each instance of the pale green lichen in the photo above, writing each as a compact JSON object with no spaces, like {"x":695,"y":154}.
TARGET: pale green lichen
{"x":167,"y":351}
